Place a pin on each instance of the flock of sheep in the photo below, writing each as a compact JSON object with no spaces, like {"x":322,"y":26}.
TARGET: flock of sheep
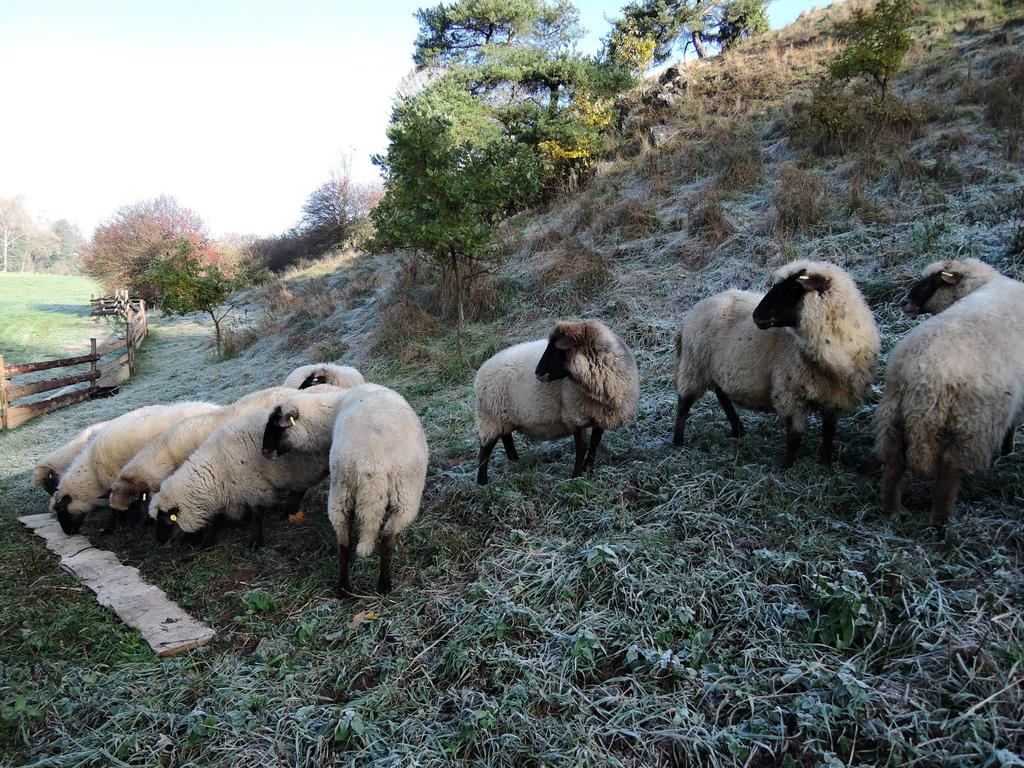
{"x":954,"y":397}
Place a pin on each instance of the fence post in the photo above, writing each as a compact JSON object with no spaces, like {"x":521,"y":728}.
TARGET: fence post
{"x":131,"y":345}
{"x":93,"y":367}
{"x":3,"y":394}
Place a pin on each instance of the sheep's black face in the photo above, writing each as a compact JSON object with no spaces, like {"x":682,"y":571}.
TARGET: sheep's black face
{"x":552,"y":365}
{"x":921,"y":292}
{"x":70,"y":522}
{"x":50,"y":482}
{"x":274,"y":441}
{"x":312,"y":380}
{"x":166,"y":524}
{"x":781,"y":306}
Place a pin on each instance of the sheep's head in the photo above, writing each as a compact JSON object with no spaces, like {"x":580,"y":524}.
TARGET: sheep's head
{"x":276,"y":437}
{"x":166,"y":524}
{"x":47,"y":479}
{"x":563,"y":343}
{"x":70,"y":521}
{"x":316,"y":377}
{"x":943,"y":283}
{"x":782,"y":305}
{"x":128,"y":492}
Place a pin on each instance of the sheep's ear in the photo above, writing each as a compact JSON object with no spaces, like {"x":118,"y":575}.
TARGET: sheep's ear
{"x":565,"y":341}
{"x":817,"y":283}
{"x":950,"y":278}
{"x":105,"y":495}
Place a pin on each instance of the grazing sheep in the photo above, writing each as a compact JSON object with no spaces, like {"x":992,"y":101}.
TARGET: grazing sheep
{"x":954,"y":393}
{"x":323,"y":373}
{"x":229,"y":476}
{"x":85,"y":485}
{"x":810,"y":342}
{"x":54,"y":464}
{"x":581,"y":376}
{"x":141,"y":477}
{"x":378,"y":465}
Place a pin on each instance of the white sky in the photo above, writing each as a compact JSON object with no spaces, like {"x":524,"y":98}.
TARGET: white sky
{"x":239,"y":108}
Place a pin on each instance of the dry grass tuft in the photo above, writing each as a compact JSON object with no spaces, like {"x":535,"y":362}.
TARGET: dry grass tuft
{"x":708,"y":218}
{"x":1003,"y":95}
{"x":800,"y":201}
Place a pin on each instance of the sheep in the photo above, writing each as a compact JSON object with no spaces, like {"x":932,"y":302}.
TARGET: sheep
{"x":942,"y":283}
{"x":307,"y":376}
{"x":378,"y":461}
{"x":229,"y":476}
{"x":810,"y":342}
{"x":142,"y":476}
{"x":85,"y":485}
{"x":954,"y":393}
{"x":581,"y":376}
{"x":54,"y":464}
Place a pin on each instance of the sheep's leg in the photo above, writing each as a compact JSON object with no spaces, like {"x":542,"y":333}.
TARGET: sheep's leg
{"x":292,"y":503}
{"x":111,"y":525}
{"x":510,"y":447}
{"x":257,"y":528}
{"x":595,"y":439}
{"x":210,"y":534}
{"x":579,"y":438}
{"x":730,"y":413}
{"x":682,"y":414}
{"x":1007,"y":448}
{"x":828,"y":436}
{"x":387,"y":551}
{"x":892,"y":476}
{"x":794,"y":435}
{"x":346,"y":554}
{"x":485,"y":458}
{"x":944,"y":493}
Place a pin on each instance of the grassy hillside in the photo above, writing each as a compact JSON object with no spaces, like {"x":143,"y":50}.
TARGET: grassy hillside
{"x":693,"y":606}
{"x":43,"y":316}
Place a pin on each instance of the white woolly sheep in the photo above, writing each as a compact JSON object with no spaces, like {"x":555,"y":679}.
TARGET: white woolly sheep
{"x":229,"y":476}
{"x":307,"y":376}
{"x":954,"y":393}
{"x":54,"y":464}
{"x":810,"y":342}
{"x":141,"y":477}
{"x":84,"y":486}
{"x":582,"y":376}
{"x":378,"y":465}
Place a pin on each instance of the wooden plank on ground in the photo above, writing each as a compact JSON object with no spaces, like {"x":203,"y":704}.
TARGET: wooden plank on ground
{"x":161,"y":622}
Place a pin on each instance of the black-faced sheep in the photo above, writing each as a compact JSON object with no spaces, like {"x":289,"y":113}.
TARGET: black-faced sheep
{"x":85,"y":485}
{"x":228,"y":475}
{"x":954,"y":390}
{"x":943,"y":283}
{"x":809,"y":343}
{"x":307,"y":376}
{"x":141,"y":477}
{"x":54,"y":464}
{"x":582,"y":376}
{"x":378,"y":459}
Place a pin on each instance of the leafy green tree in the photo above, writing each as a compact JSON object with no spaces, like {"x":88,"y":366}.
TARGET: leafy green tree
{"x":451,"y":175}
{"x":666,"y":23}
{"x":878,"y":42}
{"x":185,"y":283}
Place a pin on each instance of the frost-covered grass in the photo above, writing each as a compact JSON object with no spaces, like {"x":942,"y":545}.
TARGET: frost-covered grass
{"x":691,"y":606}
{"x":43,"y":316}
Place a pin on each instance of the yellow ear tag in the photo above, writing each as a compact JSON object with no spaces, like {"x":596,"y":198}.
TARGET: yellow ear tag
{"x":803,"y":277}
{"x":292,"y":420}
{"x":946,"y":274}
{"x":143,"y":496}
{"x":174,"y":518}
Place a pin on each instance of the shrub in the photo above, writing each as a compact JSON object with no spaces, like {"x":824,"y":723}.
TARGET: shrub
{"x":835,"y":121}
{"x":1003,"y":96}
{"x":707,"y":217}
{"x":879,"y":41}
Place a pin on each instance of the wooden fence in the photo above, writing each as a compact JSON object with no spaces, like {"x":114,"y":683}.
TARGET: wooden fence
{"x":114,"y":306}
{"x":110,"y":363}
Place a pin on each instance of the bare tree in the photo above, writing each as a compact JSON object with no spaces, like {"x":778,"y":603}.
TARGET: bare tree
{"x":14,"y":224}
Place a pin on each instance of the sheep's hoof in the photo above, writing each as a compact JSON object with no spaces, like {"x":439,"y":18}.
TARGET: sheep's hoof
{"x":481,"y":479}
{"x":384,"y":586}
{"x":343,"y":591}
{"x":678,"y":441}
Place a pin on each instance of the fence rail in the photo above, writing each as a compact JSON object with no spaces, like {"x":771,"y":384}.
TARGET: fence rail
{"x":111,"y":363}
